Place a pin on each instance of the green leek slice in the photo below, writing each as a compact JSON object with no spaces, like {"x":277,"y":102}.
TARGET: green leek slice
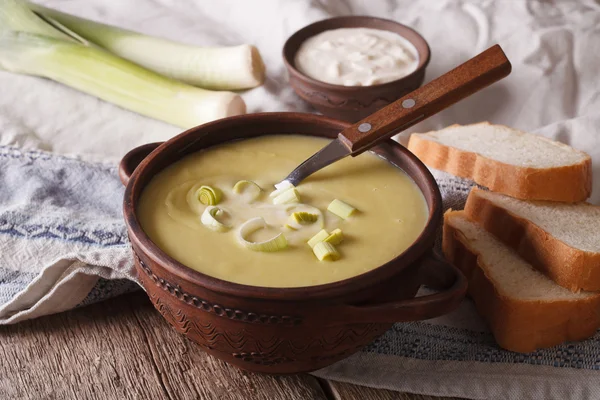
{"x":301,"y":218}
{"x":289,"y":196}
{"x":326,"y":252}
{"x":336,"y":237}
{"x":248,"y":189}
{"x":318,"y":238}
{"x":312,"y":215}
{"x":209,"y":219}
{"x":208,"y":195}
{"x":341,"y":209}
{"x":279,"y":242}
{"x":304,"y":217}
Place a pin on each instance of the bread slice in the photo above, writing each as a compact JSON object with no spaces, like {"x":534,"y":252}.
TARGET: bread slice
{"x":522,"y":165}
{"x":561,"y":240}
{"x":524,"y":308}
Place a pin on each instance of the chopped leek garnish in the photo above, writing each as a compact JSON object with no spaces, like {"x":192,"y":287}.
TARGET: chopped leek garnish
{"x":280,"y":188}
{"x":302,"y":215}
{"x":208,"y":195}
{"x":209,"y":219}
{"x":341,"y":209}
{"x":289,"y":196}
{"x":336,"y":237}
{"x":283,"y":185}
{"x":277,"y":243}
{"x":304,"y":218}
{"x":300,"y":218}
{"x":229,"y":68}
{"x":326,"y":252}
{"x":29,"y":45}
{"x":318,"y":238}
{"x":248,"y":189}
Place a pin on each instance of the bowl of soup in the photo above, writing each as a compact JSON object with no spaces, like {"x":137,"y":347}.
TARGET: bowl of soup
{"x":349,"y":67}
{"x":284,"y":311}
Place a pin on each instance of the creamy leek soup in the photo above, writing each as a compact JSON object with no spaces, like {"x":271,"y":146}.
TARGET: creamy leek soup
{"x":388,"y":212}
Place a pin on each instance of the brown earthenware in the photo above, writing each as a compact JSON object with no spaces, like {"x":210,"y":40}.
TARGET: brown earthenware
{"x":286,"y":330}
{"x":353,"y":103}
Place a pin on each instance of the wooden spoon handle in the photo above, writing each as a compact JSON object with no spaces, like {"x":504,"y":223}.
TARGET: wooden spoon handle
{"x":464,"y":80}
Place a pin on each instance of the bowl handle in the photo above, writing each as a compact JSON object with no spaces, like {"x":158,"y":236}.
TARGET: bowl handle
{"x":132,"y":159}
{"x":436,"y":273}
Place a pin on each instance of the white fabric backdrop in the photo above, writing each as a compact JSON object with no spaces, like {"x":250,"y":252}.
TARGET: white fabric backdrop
{"x":554,"y":48}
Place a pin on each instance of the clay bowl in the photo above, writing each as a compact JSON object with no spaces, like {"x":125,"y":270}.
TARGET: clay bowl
{"x":285,"y":330}
{"x":353,"y":103}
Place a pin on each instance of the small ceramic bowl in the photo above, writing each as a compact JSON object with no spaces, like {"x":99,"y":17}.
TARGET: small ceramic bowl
{"x":353,"y":103}
{"x":286,"y":330}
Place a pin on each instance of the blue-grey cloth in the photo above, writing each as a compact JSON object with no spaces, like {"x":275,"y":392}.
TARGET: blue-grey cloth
{"x":62,"y":236}
{"x":63,"y":244}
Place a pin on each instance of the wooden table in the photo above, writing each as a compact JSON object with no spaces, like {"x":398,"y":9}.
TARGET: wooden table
{"x":123,"y":349}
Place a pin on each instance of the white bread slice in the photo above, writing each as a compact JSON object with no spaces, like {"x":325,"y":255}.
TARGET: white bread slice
{"x":524,"y":309}
{"x":522,"y":165}
{"x":561,"y":240}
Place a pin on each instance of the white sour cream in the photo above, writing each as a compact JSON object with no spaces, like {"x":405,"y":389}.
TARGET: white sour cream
{"x":356,"y":57}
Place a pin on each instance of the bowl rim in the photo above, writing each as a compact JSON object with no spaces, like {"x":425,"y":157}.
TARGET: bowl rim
{"x":340,"y":288}
{"x":290,"y":63}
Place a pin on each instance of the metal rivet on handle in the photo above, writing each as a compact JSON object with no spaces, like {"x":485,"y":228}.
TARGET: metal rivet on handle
{"x":365,"y":127}
{"x":408,"y":103}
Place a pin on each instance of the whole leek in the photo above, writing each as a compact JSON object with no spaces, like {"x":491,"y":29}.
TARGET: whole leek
{"x":118,"y":81}
{"x":218,"y":68}
{"x":29,"y":45}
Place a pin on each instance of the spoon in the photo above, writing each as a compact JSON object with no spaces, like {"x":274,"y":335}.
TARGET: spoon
{"x":464,"y":80}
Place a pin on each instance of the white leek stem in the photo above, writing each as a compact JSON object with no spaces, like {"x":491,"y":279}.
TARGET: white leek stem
{"x":218,"y":68}
{"x":99,"y":73}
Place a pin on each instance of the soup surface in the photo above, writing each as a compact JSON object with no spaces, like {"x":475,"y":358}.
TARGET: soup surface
{"x":391,"y":212}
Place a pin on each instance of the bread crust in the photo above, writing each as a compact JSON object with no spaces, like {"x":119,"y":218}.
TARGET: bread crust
{"x":519,"y":325}
{"x":569,"y":267}
{"x":570,"y":184}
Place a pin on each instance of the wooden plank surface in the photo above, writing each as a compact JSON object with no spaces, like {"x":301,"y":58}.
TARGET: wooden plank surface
{"x":123,"y":349}
{"x":92,"y":352}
